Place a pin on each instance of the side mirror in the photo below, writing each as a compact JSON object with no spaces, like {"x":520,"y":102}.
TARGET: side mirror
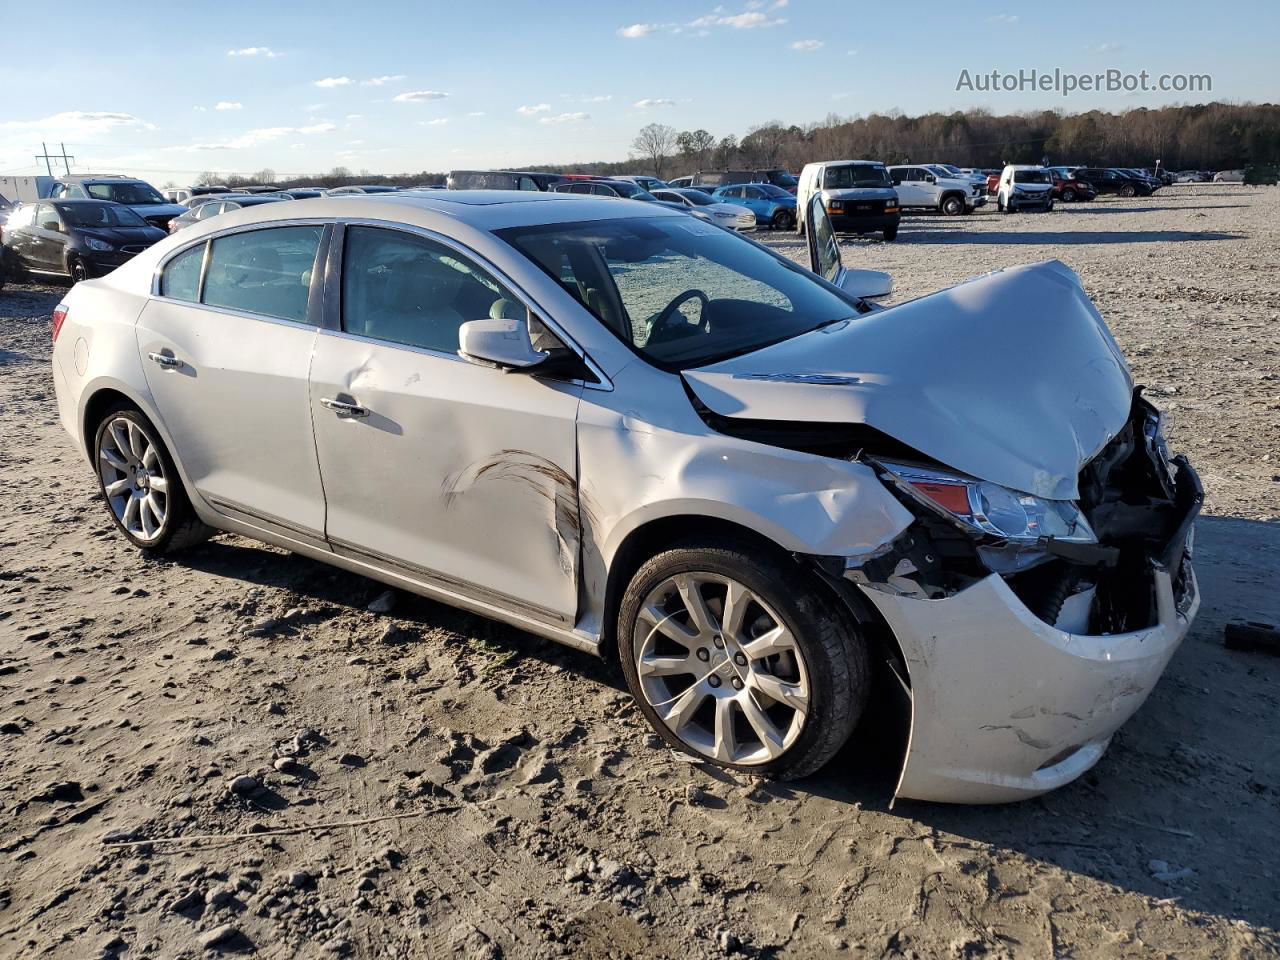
{"x":504,"y":343}
{"x":897,"y":181}
{"x":931,"y":178}
{"x":866,"y":284}
{"x":51,"y":225}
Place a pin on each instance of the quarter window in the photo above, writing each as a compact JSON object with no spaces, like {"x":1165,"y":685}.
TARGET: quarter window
{"x":267,"y":272}
{"x":407,"y":289}
{"x":181,"y":278}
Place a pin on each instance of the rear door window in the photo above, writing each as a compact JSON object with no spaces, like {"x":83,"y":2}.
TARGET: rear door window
{"x":181,"y":277}
{"x":267,"y":272}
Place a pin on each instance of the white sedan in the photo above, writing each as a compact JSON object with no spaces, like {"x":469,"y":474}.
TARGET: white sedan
{"x":706,"y":207}
{"x":639,"y":434}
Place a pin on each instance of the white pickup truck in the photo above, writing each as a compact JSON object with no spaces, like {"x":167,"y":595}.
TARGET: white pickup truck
{"x":932,"y":187}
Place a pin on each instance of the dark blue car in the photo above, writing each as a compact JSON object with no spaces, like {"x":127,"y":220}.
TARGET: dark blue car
{"x":773,"y":206}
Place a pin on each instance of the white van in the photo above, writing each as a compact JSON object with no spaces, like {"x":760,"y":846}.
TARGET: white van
{"x":856,"y":194}
{"x":1024,"y":188}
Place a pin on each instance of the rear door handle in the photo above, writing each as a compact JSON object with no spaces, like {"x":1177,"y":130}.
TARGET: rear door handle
{"x":165,"y":360}
{"x":344,"y":409}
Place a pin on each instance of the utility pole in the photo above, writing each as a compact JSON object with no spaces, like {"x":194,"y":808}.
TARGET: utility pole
{"x":46,"y":156}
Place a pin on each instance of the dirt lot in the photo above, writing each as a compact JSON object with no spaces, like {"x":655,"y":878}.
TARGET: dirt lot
{"x":476,"y":791}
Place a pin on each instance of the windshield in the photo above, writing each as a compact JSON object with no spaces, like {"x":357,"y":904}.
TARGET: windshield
{"x":855,"y":175}
{"x":1029,"y":176}
{"x":681,"y":292}
{"x":133,"y":192}
{"x":938,"y":171}
{"x":631,"y":191}
{"x":99,"y":215}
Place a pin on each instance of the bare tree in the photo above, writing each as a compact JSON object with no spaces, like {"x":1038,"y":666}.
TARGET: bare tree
{"x":653,"y":143}
{"x":695,"y":147}
{"x":265,"y":175}
{"x":209,"y":177}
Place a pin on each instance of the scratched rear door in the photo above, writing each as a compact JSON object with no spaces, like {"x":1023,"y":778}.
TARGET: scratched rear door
{"x":460,"y":476}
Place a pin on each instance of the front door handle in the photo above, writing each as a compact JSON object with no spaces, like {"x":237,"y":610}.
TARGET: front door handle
{"x":344,"y":409}
{"x":165,"y":360}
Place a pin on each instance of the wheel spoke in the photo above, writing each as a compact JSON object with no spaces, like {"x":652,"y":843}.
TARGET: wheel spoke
{"x":697,"y":607}
{"x":137,"y":442}
{"x":777,"y":640}
{"x":770,"y":736}
{"x":147,"y":515}
{"x":657,"y":666}
{"x":113,"y":458}
{"x":681,"y":710}
{"x":120,"y":437}
{"x":158,"y":484}
{"x":726,"y":739}
{"x":737,"y":599}
{"x":668,"y":627}
{"x":131,"y":511}
{"x":157,"y":511}
{"x":788,"y":694}
{"x":117,"y":488}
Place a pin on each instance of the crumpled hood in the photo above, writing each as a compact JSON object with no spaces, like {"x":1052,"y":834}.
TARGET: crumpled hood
{"x":1012,"y":377}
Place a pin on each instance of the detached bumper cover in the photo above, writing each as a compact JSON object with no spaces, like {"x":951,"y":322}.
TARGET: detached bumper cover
{"x":1006,"y":706}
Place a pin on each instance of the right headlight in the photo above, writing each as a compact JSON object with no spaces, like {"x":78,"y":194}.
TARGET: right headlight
{"x":1013,"y":528}
{"x":93,"y":243}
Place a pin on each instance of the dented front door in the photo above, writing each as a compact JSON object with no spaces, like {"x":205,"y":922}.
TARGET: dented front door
{"x":457,"y":475}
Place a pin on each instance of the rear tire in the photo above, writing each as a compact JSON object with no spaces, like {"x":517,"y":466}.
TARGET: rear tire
{"x":1068,"y":195}
{"x":1128,"y":191}
{"x":782,"y":221}
{"x":773,"y":690}
{"x":141,"y":486}
{"x":890,"y":234}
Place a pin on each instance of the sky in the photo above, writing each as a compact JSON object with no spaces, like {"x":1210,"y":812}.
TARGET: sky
{"x":165,"y":91}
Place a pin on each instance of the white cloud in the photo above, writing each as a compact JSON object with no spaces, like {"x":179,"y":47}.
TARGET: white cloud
{"x":78,"y":122}
{"x":1108,"y":47}
{"x":253,"y":52}
{"x":637,"y":30}
{"x":565,"y":118}
{"x":476,"y":113}
{"x":437,"y":122}
{"x":807,"y":46}
{"x":354,"y":116}
{"x":329,"y":82}
{"x":852,"y":53}
{"x":259,"y":135}
{"x":599,"y":98}
{"x":749,"y":20}
{"x":1004,"y":18}
{"x":650,"y":102}
{"x":381,"y":81}
{"x":228,"y":105}
{"x":779,"y":3}
{"x":419,"y":96}
{"x":529,"y":111}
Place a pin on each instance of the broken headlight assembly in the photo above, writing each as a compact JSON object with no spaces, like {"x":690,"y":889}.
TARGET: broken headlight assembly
{"x":1012,"y":530}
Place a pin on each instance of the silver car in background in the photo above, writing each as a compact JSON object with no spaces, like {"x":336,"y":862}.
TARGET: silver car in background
{"x":708,"y":208}
{"x":636,"y":433}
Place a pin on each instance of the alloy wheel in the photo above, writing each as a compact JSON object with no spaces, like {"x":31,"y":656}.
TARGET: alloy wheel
{"x":133,"y":478}
{"x":721,"y":670}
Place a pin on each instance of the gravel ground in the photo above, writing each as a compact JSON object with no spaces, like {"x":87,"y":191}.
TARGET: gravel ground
{"x":422,"y":782}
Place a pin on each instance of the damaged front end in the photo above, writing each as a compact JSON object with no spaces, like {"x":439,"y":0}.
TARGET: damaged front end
{"x":1033,"y":628}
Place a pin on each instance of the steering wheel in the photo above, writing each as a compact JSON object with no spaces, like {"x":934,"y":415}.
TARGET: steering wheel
{"x":664,"y":327}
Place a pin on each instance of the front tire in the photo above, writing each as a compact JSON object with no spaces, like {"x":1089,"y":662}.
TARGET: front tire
{"x":782,"y":221}
{"x":952,"y":206}
{"x":1128,"y":191}
{"x":735,"y":656}
{"x":1068,"y":195}
{"x":77,"y":270}
{"x":141,"y":486}
{"x":890,"y":234}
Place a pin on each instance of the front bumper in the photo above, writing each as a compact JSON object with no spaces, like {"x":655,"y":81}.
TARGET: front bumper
{"x":866,"y":223}
{"x":1005,"y":706}
{"x":98,"y":263}
{"x":978,"y":200}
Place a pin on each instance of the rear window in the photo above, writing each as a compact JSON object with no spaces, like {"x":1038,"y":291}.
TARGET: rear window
{"x":1029,"y":176}
{"x":267,"y":272}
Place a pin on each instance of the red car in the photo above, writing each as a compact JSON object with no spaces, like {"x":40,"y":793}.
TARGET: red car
{"x":1068,"y":189}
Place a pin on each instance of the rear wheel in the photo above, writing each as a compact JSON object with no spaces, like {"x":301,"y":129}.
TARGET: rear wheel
{"x":141,"y":486}
{"x":782,"y":220}
{"x":890,"y":233}
{"x":735,"y":656}
{"x":1068,"y":195}
{"x":1128,"y":190}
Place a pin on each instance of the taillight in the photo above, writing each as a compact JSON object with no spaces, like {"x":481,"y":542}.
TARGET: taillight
{"x":59,"y":315}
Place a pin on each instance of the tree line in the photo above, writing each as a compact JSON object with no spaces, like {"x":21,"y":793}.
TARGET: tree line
{"x":1210,"y":136}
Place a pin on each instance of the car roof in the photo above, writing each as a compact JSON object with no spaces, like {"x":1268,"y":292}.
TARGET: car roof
{"x":99,"y":178}
{"x":485,"y":210}
{"x":80,"y":201}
